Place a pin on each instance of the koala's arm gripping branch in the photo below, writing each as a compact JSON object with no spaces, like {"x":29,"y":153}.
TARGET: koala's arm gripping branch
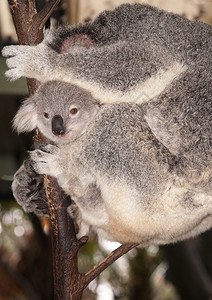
{"x":29,"y":24}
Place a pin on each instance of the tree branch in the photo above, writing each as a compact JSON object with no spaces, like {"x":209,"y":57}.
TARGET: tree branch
{"x":40,"y":18}
{"x":113,"y":256}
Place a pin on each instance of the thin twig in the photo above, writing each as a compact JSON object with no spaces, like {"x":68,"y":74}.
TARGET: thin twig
{"x":40,"y":18}
{"x":113,"y":256}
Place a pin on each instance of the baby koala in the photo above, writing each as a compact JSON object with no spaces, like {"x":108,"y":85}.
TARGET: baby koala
{"x":128,"y":186}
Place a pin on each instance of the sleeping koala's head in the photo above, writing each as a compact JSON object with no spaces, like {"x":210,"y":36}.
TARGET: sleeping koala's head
{"x":61,"y":111}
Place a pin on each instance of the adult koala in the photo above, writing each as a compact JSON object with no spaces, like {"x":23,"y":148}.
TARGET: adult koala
{"x":160,"y":62}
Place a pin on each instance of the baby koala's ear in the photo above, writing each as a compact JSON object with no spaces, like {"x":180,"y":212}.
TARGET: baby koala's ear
{"x":25,"y":119}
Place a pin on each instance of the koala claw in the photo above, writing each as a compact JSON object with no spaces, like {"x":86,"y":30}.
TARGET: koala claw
{"x":17,"y":60}
{"x":49,"y":149}
{"x":13,"y":74}
{"x":9,"y":51}
{"x":46,"y":160}
{"x":28,"y":190}
{"x":25,"y":60}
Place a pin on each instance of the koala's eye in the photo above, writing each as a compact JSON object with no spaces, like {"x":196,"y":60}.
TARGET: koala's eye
{"x":46,"y":115}
{"x":73,"y":111}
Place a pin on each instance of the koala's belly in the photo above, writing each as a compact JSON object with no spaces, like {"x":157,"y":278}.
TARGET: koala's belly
{"x":177,"y":215}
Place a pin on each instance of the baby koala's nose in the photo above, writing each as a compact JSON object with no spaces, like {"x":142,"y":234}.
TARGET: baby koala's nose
{"x":57,"y":125}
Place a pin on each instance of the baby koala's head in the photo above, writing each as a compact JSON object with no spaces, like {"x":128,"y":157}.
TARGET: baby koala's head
{"x":61,"y":111}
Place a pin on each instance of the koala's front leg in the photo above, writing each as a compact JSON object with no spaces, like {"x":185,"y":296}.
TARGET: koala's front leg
{"x":47,"y":160}
{"x":30,"y":61}
{"x":28,"y":190}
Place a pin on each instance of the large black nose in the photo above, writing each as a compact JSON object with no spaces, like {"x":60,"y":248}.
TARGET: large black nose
{"x":57,"y":125}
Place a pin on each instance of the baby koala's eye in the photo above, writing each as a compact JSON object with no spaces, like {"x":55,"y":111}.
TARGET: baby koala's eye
{"x":73,"y":111}
{"x":46,"y":115}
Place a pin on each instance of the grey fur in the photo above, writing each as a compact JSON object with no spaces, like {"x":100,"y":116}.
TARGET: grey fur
{"x":153,"y":155}
{"x":127,"y":184}
{"x":28,"y":190}
{"x":128,"y":45}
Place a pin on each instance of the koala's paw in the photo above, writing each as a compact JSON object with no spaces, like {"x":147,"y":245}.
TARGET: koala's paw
{"x":28,"y":190}
{"x":26,"y":61}
{"x":81,"y":228}
{"x":46,"y":160}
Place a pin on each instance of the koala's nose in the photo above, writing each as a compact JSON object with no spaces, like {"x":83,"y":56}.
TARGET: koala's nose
{"x":57,"y":125}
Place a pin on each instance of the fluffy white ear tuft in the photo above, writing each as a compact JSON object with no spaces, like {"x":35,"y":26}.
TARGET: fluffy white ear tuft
{"x":25,"y":119}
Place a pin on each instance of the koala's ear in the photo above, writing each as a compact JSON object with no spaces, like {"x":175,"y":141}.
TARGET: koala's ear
{"x":25,"y":119}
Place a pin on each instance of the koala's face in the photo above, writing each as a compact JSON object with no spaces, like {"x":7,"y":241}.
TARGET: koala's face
{"x":61,"y":111}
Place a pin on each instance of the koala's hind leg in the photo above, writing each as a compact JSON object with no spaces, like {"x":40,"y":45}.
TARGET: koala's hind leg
{"x":81,"y":228}
{"x":28,"y":190}
{"x":88,"y":210}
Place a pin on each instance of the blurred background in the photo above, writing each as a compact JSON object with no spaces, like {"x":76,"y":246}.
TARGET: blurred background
{"x":180,"y":271}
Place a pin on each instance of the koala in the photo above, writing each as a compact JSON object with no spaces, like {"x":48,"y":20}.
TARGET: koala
{"x":131,"y":179}
{"x":131,"y":54}
{"x":144,"y":148}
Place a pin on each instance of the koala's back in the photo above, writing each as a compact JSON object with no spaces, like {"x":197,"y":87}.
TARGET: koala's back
{"x":185,"y":39}
{"x":181,"y":118}
{"x":121,"y":146}
{"x":143,"y":22}
{"x":172,"y":40}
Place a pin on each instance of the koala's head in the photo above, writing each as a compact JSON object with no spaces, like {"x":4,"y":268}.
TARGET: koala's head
{"x":60,"y":110}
